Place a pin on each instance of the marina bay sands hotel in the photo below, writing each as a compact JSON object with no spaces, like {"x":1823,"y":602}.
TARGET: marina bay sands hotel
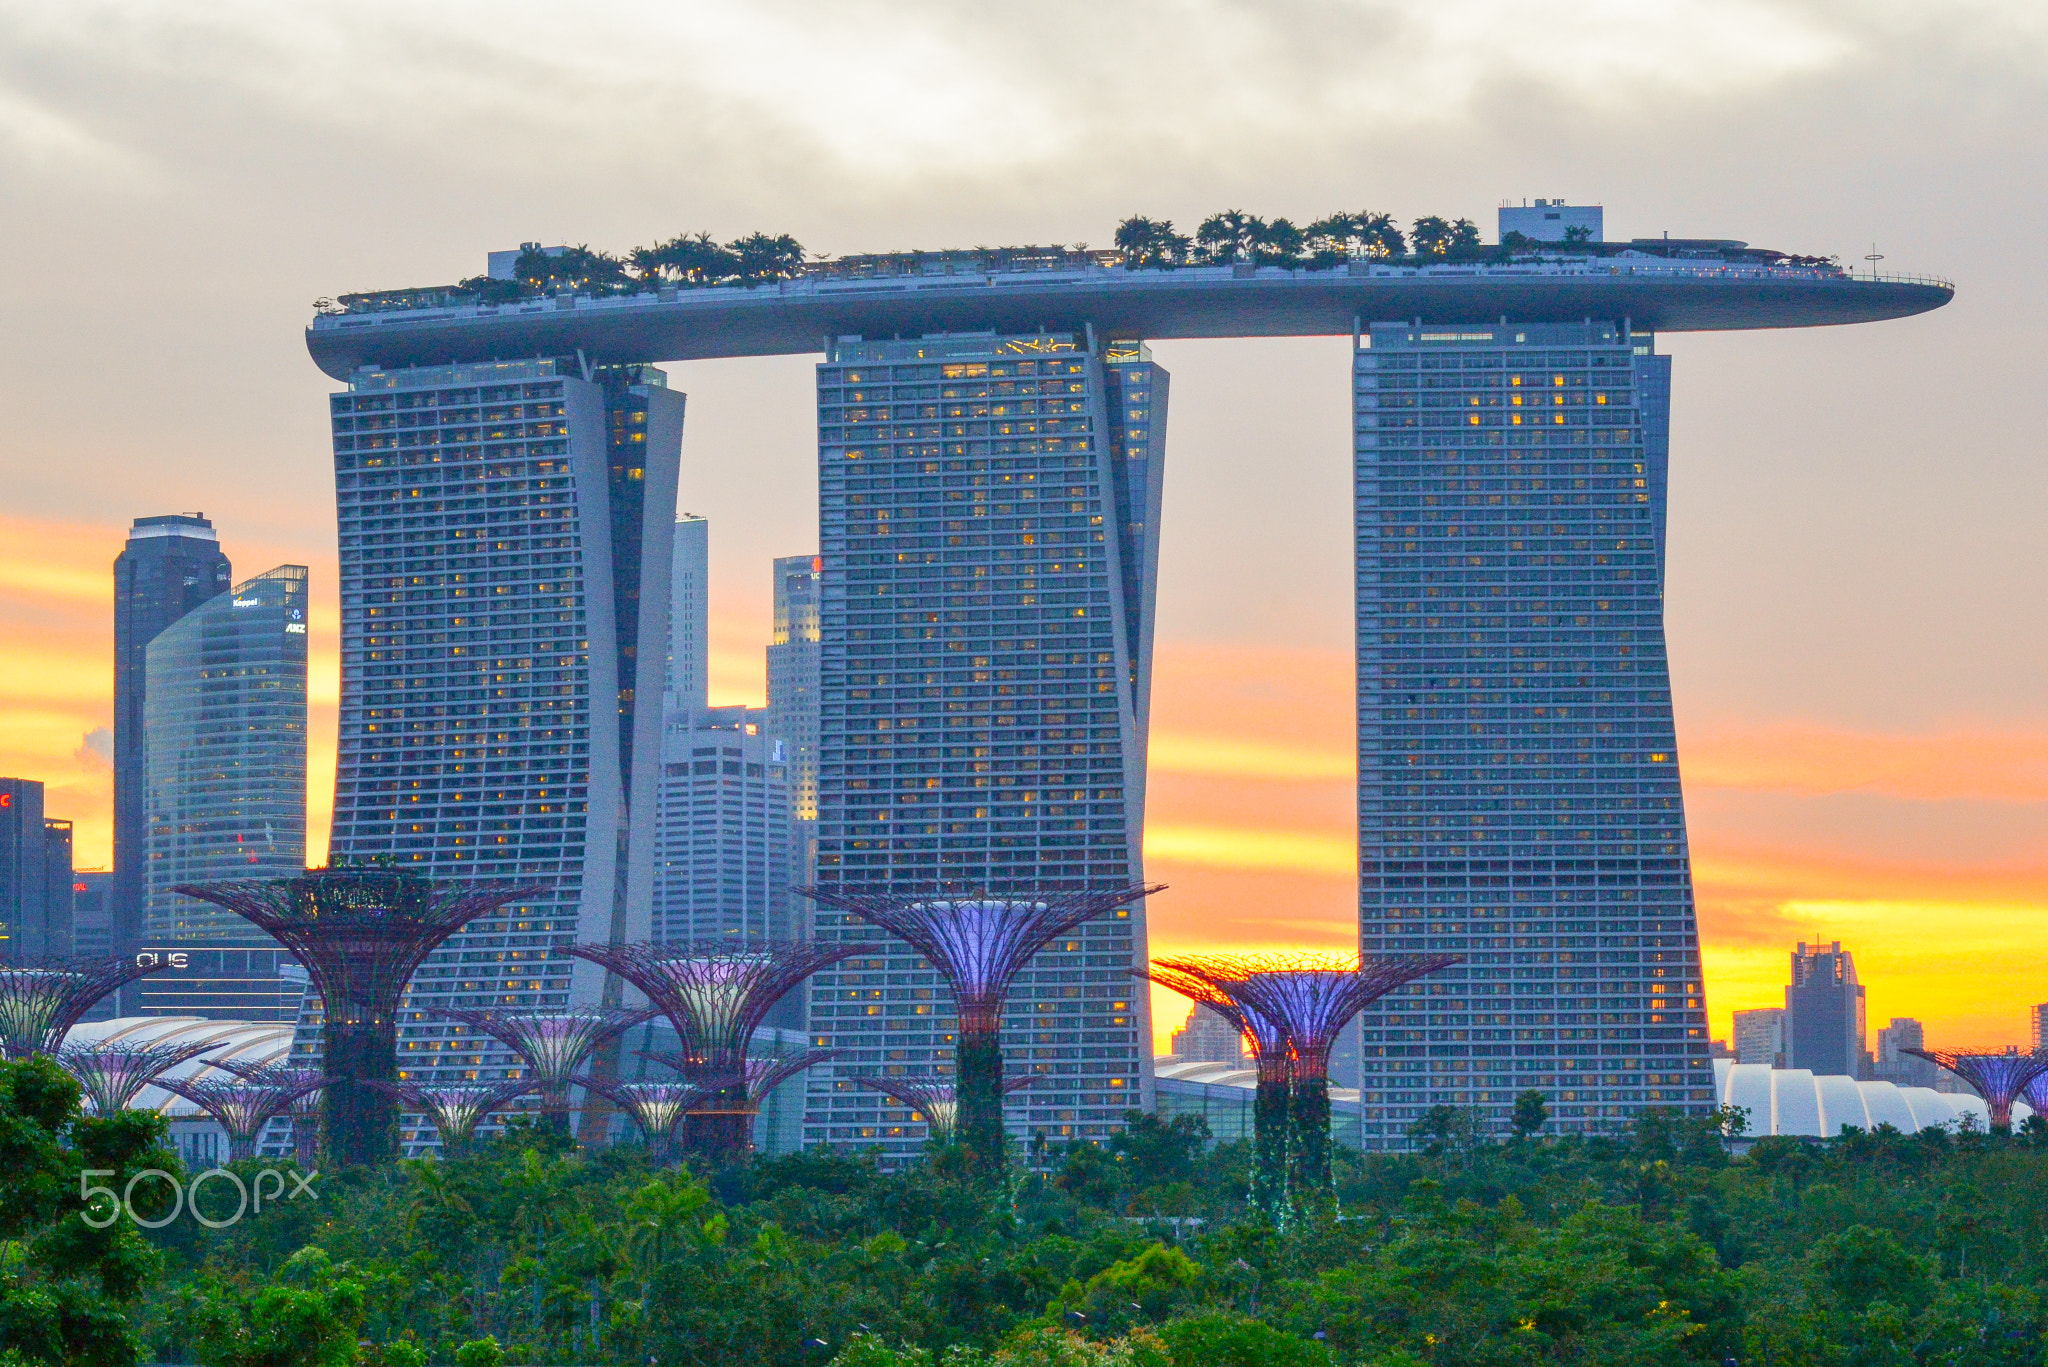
{"x":991,"y":451}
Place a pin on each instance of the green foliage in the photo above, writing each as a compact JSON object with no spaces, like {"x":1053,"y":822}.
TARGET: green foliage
{"x":64,"y":1285}
{"x":483,"y":1352}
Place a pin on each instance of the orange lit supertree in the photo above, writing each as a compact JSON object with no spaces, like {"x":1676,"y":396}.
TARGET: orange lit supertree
{"x":360,"y":931}
{"x":716,"y":993}
{"x":978,"y":941}
{"x":1999,"y":1078}
{"x":1295,"y":1006}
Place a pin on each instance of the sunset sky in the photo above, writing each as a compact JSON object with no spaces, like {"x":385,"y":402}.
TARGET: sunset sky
{"x":1859,"y":517}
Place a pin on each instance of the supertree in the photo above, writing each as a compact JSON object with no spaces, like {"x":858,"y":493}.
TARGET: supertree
{"x":657,"y":1108}
{"x":978,"y":942}
{"x":304,"y":1108}
{"x":360,"y":931}
{"x":1268,"y":1045}
{"x":716,"y":994}
{"x":454,"y":1109}
{"x":112,"y":1074}
{"x":41,"y":999}
{"x":552,"y":1044}
{"x":1312,"y":998}
{"x":1292,"y":1007}
{"x":718,"y":1111}
{"x":244,"y":1105}
{"x":1999,"y":1078}
{"x":930,"y":1098}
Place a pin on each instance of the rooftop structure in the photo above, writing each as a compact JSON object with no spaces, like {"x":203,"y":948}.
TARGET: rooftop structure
{"x":930,"y":293}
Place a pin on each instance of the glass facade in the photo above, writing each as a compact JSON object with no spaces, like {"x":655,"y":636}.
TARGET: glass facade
{"x":1518,"y":773}
{"x":988,"y":529}
{"x":494,"y":522}
{"x":225,"y":760}
{"x":793,"y":693}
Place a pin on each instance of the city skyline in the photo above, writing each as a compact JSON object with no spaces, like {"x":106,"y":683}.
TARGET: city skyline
{"x":1854,"y":655}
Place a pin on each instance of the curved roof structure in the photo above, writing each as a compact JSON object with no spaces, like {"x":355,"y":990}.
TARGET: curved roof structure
{"x":1796,"y":1101}
{"x":237,"y":1040}
{"x":794,"y":317}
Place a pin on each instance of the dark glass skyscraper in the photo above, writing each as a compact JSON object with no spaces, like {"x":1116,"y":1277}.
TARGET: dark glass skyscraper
{"x":35,"y":875}
{"x":988,"y":537}
{"x":1518,"y":772}
{"x":170,"y":566}
{"x":1824,"y":1011}
{"x":505,"y":551}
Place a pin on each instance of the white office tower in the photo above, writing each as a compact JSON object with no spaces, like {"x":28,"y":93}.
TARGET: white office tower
{"x":495,"y":519}
{"x":688,"y":687}
{"x":793,"y":693}
{"x":724,"y":851}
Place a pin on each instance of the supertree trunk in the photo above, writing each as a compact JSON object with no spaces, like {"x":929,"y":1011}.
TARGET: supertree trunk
{"x":1310,"y":1189}
{"x":1270,"y":1107}
{"x":721,"y":1128}
{"x":978,"y":1091}
{"x":358,"y":1121}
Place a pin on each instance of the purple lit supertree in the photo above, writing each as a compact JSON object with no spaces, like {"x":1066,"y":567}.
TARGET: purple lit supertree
{"x":454,"y":1109}
{"x":1293,"y":1006}
{"x":304,"y":1108}
{"x":930,"y":1098}
{"x":112,"y":1075}
{"x":978,"y":942}
{"x":1206,"y":981}
{"x":1999,"y":1078}
{"x":552,"y":1044}
{"x":244,"y":1105}
{"x":361,"y":931}
{"x":657,"y":1108}
{"x":712,"y":1112}
{"x":41,"y":999}
{"x":716,"y":994}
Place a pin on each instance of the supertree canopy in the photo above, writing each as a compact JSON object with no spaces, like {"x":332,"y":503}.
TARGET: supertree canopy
{"x":41,"y":999}
{"x":1293,"y":1006}
{"x":112,"y":1074}
{"x":930,"y":1097}
{"x":553,"y":1044}
{"x":1207,"y":982}
{"x":657,"y":1108}
{"x":454,"y":1109}
{"x":304,"y":1108}
{"x":244,"y":1105}
{"x":360,"y":931}
{"x":978,"y":942}
{"x":1999,"y":1078}
{"x":716,"y":993}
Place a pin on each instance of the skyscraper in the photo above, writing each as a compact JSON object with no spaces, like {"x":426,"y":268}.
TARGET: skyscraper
{"x":170,"y":566}
{"x":1518,"y":774}
{"x":1207,"y":1038}
{"x":505,"y":553}
{"x":725,"y":857}
{"x":1760,"y":1036}
{"x":1895,"y":1065}
{"x":793,"y":694}
{"x":226,"y":754}
{"x":226,"y":794}
{"x":687,"y":688}
{"x":988,"y":529}
{"x":1824,"y":1011}
{"x":35,"y":875}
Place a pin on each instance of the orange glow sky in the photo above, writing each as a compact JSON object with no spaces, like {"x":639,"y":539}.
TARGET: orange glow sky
{"x":1857,"y":627}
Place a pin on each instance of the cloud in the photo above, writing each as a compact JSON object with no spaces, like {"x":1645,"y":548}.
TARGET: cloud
{"x":1175,"y":752}
{"x":96,"y":748}
{"x":1239,"y":847}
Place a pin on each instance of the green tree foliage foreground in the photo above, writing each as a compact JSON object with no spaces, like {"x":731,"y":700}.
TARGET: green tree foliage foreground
{"x":1649,"y":1249}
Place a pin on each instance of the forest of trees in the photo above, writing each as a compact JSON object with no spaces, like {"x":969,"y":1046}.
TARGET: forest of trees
{"x":1651,"y":1247}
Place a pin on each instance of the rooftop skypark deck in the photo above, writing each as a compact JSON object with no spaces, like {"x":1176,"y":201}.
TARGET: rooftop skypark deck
{"x":1069,"y":291}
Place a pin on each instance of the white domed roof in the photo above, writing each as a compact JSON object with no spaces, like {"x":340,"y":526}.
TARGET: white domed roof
{"x":1797,"y":1101}
{"x":237,"y":1040}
